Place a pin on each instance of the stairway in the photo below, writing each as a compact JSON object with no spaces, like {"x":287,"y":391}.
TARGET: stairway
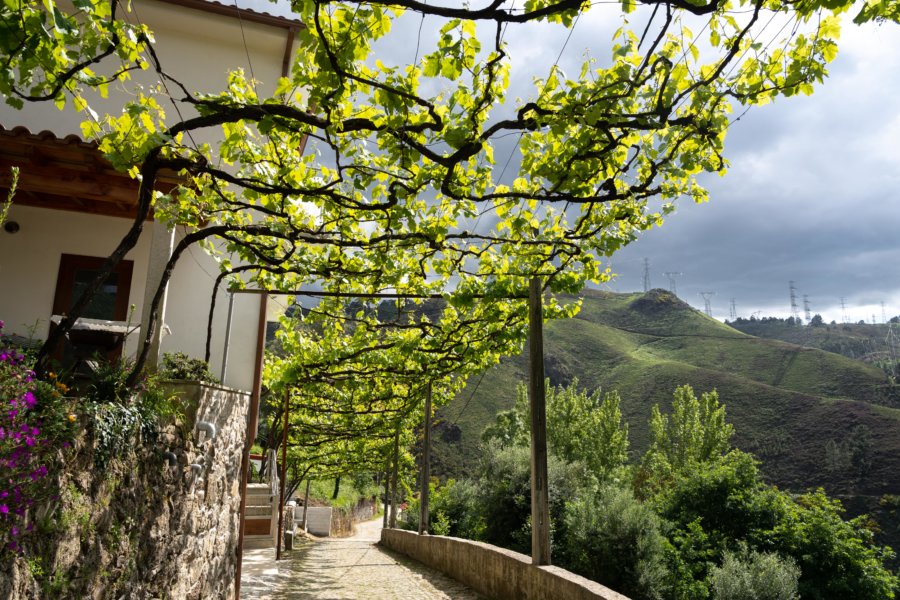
{"x":261,"y":511}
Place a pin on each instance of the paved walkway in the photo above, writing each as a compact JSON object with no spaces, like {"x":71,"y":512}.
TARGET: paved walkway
{"x":344,"y":569}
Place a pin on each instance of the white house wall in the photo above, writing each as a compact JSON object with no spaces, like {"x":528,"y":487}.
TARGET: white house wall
{"x":198,"y":49}
{"x":190,"y":292}
{"x":29,"y":262}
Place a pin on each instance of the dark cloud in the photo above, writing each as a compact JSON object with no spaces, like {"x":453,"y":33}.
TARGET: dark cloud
{"x":811,"y":196}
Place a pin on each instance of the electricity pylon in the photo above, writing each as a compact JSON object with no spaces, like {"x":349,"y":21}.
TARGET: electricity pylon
{"x":795,"y":312}
{"x":707,"y":303}
{"x":672,"y":275}
{"x":646,"y":275}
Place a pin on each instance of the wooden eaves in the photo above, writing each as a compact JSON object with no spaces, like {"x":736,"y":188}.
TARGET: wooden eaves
{"x":67,"y":174}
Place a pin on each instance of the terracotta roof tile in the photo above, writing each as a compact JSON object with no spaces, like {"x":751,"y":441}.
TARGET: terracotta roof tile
{"x":45,"y":135}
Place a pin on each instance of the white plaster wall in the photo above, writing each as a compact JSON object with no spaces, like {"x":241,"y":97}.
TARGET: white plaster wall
{"x":187,"y":312}
{"x":197,"y":48}
{"x":29,"y":262}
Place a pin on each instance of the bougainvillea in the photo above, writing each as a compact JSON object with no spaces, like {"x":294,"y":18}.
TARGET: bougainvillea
{"x":35,"y":423}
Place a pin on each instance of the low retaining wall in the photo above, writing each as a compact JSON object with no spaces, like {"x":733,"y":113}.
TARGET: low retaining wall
{"x":494,"y":572}
{"x":318,"y":520}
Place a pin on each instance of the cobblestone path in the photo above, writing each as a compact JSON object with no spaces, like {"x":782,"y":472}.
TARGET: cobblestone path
{"x":345,"y":569}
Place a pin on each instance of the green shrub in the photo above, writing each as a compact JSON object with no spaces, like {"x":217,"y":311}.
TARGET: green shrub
{"x":837,"y":558}
{"x":453,"y":509}
{"x":504,"y":484}
{"x":181,"y":367}
{"x":755,"y":576}
{"x":615,"y":539}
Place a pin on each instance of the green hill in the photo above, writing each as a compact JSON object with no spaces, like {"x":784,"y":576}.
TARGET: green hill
{"x":876,"y":344}
{"x":813,"y":418}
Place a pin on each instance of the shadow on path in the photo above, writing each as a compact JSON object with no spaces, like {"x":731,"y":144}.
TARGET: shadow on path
{"x":346,"y":569}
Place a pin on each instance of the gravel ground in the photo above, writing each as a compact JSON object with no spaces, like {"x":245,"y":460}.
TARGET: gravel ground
{"x":344,"y":569}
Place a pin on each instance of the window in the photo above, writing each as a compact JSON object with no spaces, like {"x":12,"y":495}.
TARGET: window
{"x":110,"y":304}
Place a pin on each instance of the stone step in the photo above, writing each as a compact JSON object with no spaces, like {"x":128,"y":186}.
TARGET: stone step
{"x":258,"y":511}
{"x":259,"y":494}
{"x":252,"y":542}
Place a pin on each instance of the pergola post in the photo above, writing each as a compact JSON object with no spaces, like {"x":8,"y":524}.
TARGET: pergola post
{"x":252,"y":423}
{"x":387,"y":493}
{"x":306,"y":504}
{"x":392,"y":523}
{"x":540,"y":497}
{"x":284,"y":434}
{"x":426,"y":466}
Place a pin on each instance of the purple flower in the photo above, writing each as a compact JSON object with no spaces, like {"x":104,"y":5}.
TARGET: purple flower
{"x":29,"y":399}
{"x":4,"y":509}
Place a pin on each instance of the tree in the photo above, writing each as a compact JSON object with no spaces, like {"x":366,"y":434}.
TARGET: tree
{"x":617,"y":540}
{"x":581,"y":428}
{"x":638,"y":130}
{"x":694,"y":433}
{"x":397,"y":205}
{"x":837,"y":558}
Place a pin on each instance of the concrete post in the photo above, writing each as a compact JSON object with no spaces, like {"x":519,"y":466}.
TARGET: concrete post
{"x":426,"y":466}
{"x":387,"y":493}
{"x":162,"y":242}
{"x":392,"y":522}
{"x":306,"y":505}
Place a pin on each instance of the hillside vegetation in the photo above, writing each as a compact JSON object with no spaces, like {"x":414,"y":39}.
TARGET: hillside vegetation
{"x":813,"y":418}
{"x":876,"y":344}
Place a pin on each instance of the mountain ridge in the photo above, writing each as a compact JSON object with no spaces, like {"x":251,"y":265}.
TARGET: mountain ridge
{"x":812,"y":418}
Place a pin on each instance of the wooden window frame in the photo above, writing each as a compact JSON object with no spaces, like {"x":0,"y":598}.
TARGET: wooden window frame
{"x":65,"y":282}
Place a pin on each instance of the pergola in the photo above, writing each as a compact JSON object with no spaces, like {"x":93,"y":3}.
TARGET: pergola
{"x":540,"y":511}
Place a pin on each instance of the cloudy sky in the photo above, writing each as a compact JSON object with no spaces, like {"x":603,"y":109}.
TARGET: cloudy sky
{"x":812,"y":195}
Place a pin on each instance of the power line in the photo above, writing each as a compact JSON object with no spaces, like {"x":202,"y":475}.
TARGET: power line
{"x":472,"y":395}
{"x":541,"y":94}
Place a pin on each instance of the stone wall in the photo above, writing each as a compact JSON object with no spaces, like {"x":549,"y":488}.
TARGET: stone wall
{"x":494,"y":572}
{"x":344,"y":520}
{"x":160,"y":521}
